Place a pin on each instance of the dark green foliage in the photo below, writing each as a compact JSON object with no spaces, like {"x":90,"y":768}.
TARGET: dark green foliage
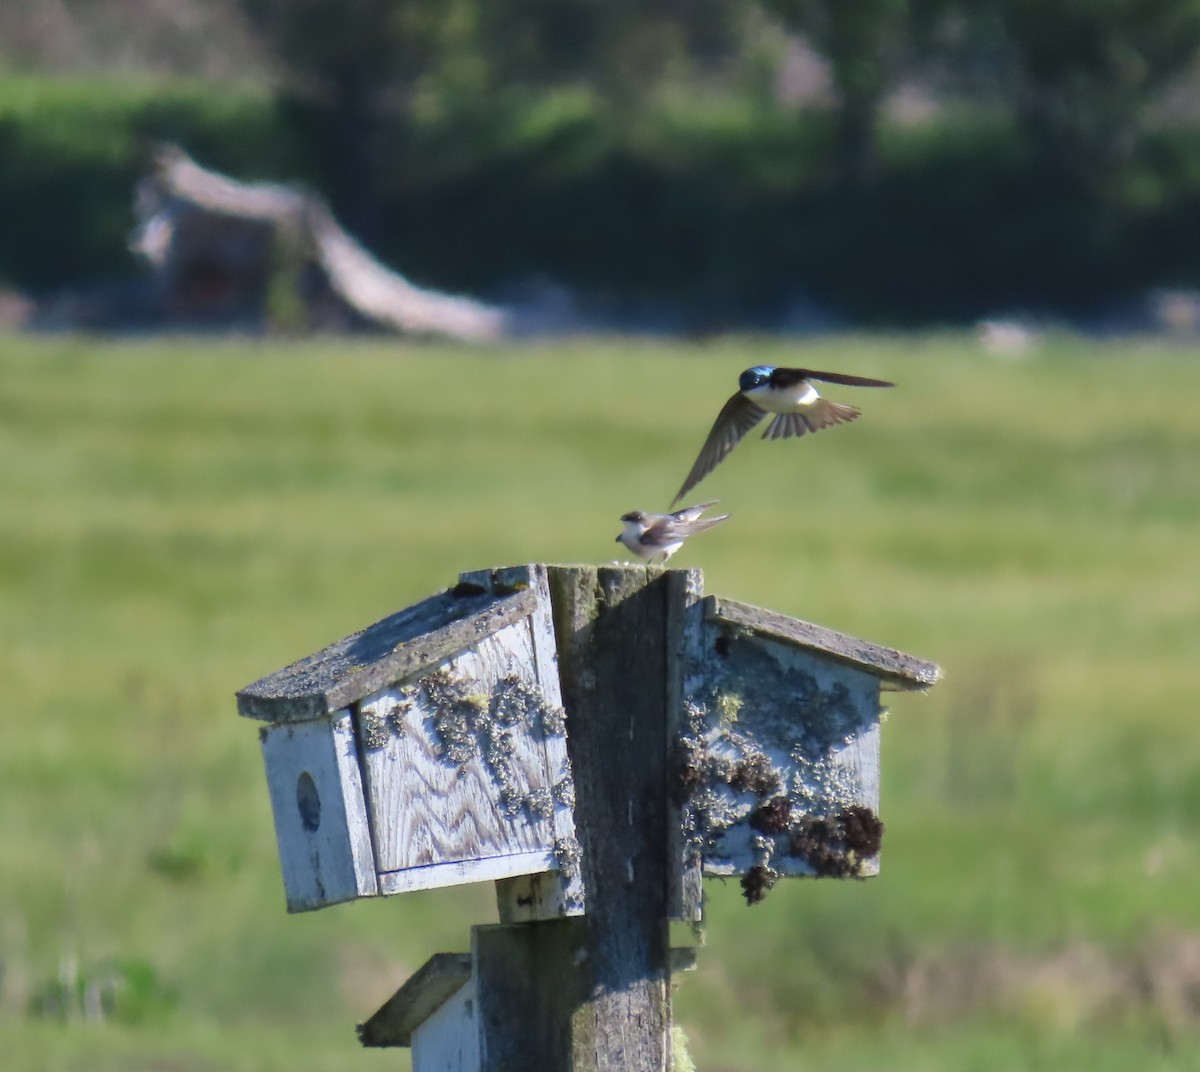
{"x":864,"y":43}
{"x":715,"y":218}
{"x":732,"y":226}
{"x":1083,"y":75}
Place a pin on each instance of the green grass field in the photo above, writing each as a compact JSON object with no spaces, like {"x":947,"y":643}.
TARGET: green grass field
{"x":178,"y":518}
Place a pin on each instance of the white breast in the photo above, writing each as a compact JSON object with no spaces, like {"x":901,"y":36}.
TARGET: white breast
{"x":784,"y":399}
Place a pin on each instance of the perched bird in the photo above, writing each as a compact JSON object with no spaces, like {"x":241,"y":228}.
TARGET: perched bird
{"x":786,"y":392}
{"x":651,"y":535}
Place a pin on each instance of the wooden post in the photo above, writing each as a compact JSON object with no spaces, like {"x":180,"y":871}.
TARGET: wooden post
{"x":609,"y":973}
{"x":531,"y":987}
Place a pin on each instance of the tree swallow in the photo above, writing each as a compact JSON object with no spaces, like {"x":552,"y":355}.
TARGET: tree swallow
{"x":651,"y":535}
{"x":786,"y":392}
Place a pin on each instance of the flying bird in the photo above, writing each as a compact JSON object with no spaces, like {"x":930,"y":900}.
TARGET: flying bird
{"x":789,"y":394}
{"x":651,"y":535}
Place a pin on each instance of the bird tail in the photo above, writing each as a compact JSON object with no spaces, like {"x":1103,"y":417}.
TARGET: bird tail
{"x":823,"y":413}
{"x":704,"y":524}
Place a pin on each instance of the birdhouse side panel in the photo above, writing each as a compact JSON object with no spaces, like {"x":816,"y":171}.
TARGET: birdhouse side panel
{"x":321,"y":826}
{"x":449,"y":1040}
{"x":457,"y":764}
{"x":782,"y":758}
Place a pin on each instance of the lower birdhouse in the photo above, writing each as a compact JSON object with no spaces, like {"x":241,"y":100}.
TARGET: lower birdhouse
{"x":460,"y":1012}
{"x":427,"y":750}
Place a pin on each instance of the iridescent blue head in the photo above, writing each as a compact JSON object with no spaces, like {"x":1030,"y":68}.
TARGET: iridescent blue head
{"x":755,"y":377}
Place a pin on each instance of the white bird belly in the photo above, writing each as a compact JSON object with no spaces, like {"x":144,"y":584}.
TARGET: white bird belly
{"x":784,"y":399}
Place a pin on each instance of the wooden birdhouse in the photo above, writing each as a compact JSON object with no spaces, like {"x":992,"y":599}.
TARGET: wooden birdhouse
{"x":426,"y":750}
{"x":777,"y":761}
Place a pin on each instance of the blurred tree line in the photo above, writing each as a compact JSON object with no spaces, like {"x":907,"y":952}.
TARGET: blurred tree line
{"x":941,"y":159}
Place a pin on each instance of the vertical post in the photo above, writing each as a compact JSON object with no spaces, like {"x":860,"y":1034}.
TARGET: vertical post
{"x":685,"y":664}
{"x":592,"y":993}
{"x":531,"y":981}
{"x":611,"y":626}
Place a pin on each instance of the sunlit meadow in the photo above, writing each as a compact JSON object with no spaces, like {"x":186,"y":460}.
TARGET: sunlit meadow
{"x":178,"y":518}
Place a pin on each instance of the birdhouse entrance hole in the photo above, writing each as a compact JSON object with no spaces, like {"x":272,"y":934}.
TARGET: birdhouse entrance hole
{"x":308,"y":800}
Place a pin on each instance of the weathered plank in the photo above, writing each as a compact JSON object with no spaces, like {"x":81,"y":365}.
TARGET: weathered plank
{"x":611,"y":625}
{"x":466,"y":766}
{"x":449,"y":1041}
{"x":321,"y":826}
{"x":422,"y":993}
{"x":893,"y":667}
{"x":396,"y":648}
{"x":568,"y":878}
{"x":455,"y":770}
{"x":531,"y":982}
{"x":530,"y":897}
{"x":685,"y":677}
{"x":461,"y":872}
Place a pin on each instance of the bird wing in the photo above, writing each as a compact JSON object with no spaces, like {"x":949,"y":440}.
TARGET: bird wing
{"x":736,"y":418}
{"x":787,"y":377}
{"x":691,"y":513}
{"x":671,"y":527}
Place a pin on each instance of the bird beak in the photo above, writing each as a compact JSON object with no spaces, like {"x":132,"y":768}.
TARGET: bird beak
{"x":617,"y":540}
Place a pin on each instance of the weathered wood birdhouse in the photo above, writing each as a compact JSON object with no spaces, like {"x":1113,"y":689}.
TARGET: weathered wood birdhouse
{"x":596,"y":741}
{"x":426,"y":750}
{"x":778,"y":747}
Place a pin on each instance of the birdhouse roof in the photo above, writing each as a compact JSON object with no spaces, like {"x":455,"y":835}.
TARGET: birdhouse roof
{"x":893,"y":668}
{"x":398,"y":647}
{"x":421,"y":636}
{"x":420,"y":996}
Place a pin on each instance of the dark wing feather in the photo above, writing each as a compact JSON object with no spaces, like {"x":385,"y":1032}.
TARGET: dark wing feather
{"x":786,"y":377}
{"x":670,"y":528}
{"x":736,"y":418}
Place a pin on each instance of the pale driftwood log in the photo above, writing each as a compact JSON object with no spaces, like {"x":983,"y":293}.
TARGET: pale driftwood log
{"x":180,"y":176}
{"x":378,"y":293}
{"x":388,"y":298}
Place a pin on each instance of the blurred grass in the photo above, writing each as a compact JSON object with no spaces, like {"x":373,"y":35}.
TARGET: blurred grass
{"x":180,"y":517}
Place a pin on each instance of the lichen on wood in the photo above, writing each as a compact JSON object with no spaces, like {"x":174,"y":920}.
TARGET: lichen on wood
{"x":761,"y":769}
